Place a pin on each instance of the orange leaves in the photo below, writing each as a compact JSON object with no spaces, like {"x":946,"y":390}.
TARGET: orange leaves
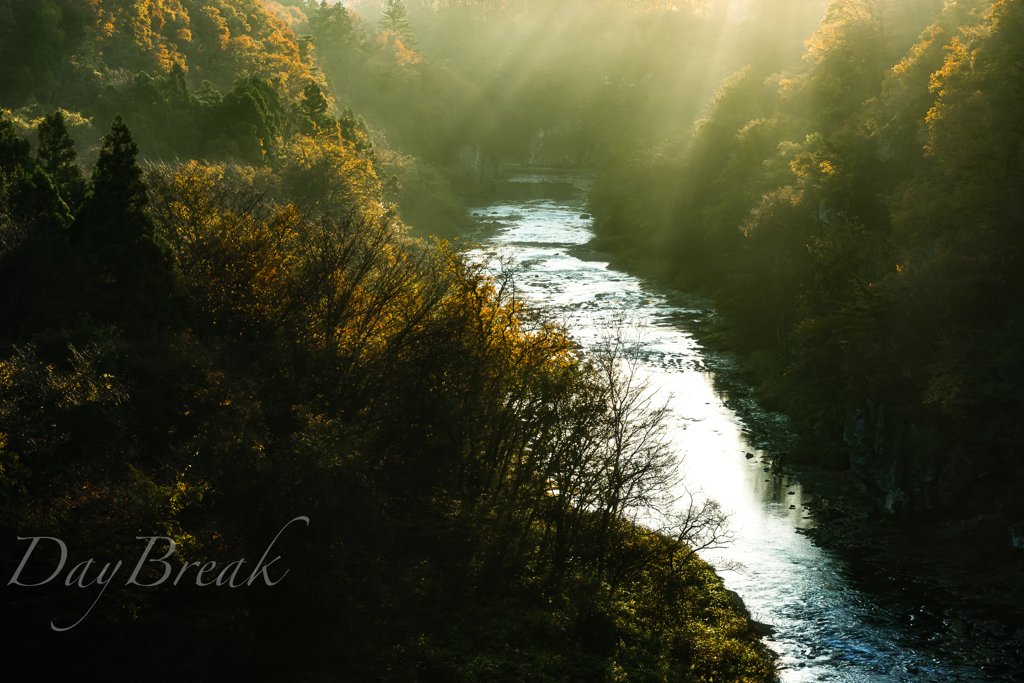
{"x":212,"y":23}
{"x":245,"y":277}
{"x":339,"y":284}
{"x":234,"y":257}
{"x":391,"y":42}
{"x":330,"y":174}
{"x":292,"y":16}
{"x":954,"y":69}
{"x":157,"y":29}
{"x":251,"y":265}
{"x":815,"y":164}
{"x":221,"y":37}
{"x":974,"y":122}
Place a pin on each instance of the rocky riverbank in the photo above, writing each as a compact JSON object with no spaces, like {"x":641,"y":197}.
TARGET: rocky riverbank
{"x":955,"y":575}
{"x":958,"y":579}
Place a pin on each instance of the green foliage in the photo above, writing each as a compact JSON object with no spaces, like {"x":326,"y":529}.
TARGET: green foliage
{"x":58,"y":157}
{"x":332,"y":26}
{"x":394,"y":19}
{"x":30,"y":40}
{"x":28,"y":196}
{"x":253,"y":108}
{"x":14,"y":150}
{"x":27,"y":193}
{"x":855,"y":219}
{"x":214,"y":348}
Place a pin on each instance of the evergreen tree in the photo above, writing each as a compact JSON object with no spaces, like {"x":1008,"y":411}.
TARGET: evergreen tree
{"x":331,"y":26}
{"x":115,"y":226}
{"x":26,"y":192}
{"x":312,"y":116}
{"x":115,"y":209}
{"x":314,"y":104}
{"x":28,"y":195}
{"x":252,"y":114}
{"x":58,"y":157}
{"x":14,"y":149}
{"x":394,"y":20}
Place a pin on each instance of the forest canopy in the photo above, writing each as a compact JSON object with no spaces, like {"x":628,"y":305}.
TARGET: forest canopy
{"x":215,"y":320}
{"x":855,"y":216}
{"x":221,"y":308}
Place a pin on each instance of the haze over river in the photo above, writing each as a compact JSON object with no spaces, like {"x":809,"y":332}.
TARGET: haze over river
{"x":827,"y":626}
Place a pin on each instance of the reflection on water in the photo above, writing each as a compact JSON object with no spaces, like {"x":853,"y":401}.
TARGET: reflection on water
{"x":826,"y":629}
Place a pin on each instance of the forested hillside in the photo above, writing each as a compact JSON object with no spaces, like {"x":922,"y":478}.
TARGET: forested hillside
{"x":856,"y":216}
{"x":216,"y":328}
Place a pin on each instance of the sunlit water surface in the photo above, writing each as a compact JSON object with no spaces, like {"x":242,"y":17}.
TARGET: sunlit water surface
{"x":826,"y":628}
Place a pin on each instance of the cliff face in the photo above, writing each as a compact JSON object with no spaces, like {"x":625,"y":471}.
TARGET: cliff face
{"x":566,"y":145}
{"x":904,"y":477}
{"x":478,"y":167}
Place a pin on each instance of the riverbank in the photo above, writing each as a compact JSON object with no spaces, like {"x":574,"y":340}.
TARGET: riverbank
{"x":955,"y":576}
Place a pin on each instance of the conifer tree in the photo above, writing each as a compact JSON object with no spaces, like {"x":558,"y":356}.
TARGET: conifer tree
{"x":26,"y":192}
{"x":313,"y":118}
{"x":58,"y":157}
{"x":394,"y":19}
{"x":331,"y":26}
{"x":115,"y":209}
{"x":13,"y":148}
{"x":314,"y":103}
{"x":116,"y":227}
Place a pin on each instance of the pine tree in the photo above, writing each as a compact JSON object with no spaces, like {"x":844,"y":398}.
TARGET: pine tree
{"x":314,"y":103}
{"x":331,"y":26}
{"x":115,"y":226}
{"x":394,"y":20}
{"x":14,"y":149}
{"x":58,"y":157}
{"x":26,"y":192}
{"x":115,"y":209}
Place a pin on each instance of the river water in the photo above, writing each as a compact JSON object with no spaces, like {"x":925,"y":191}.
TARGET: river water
{"x":828,"y":627}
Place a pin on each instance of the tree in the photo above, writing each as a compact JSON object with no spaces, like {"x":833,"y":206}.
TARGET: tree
{"x":14,"y":149}
{"x":639,"y":473}
{"x":848,"y":55}
{"x":252,"y":113}
{"x":331,"y":26}
{"x":26,"y":193}
{"x":393,"y":19}
{"x":314,"y":105}
{"x":57,"y":156}
{"x":114,"y":212}
{"x":115,"y":226}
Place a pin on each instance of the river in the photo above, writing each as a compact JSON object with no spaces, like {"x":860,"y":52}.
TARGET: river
{"x":829,"y":626}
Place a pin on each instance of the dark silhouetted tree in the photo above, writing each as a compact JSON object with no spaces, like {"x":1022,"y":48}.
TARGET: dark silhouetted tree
{"x":116,"y":227}
{"x":314,"y":103}
{"x":26,"y":193}
{"x":58,"y":157}
{"x":14,"y":149}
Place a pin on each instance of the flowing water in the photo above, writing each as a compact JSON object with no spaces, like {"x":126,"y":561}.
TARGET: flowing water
{"x":828,"y":627}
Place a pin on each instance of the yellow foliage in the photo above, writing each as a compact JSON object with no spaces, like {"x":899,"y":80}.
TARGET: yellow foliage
{"x":391,"y":42}
{"x":157,"y":34}
{"x":330,"y":174}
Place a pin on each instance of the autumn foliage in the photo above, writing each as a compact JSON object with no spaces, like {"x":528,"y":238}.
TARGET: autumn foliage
{"x":227,"y":324}
{"x":856,"y":218}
